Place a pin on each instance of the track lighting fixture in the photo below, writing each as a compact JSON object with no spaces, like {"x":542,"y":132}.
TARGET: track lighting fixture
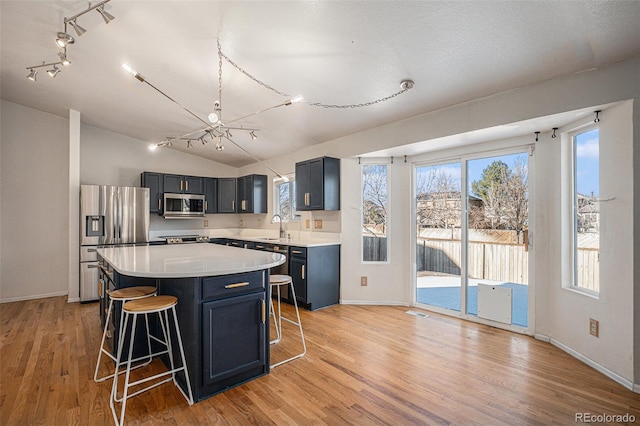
{"x":228,"y":134}
{"x":64,"y":40}
{"x":105,"y":15}
{"x":253,"y":135}
{"x":53,"y":71}
{"x":537,"y":134}
{"x":78,"y":29}
{"x":219,"y":146}
{"x":32,"y":75}
{"x":63,"y":59}
{"x":553,"y":135}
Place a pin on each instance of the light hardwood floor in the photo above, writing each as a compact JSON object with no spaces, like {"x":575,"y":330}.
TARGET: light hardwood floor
{"x":365,"y":365}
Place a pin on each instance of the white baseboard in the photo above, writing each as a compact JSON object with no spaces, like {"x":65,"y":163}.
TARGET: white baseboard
{"x":372,"y":302}
{"x":591,"y":363}
{"x":39,"y":296}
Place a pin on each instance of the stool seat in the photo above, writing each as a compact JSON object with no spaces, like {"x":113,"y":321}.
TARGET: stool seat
{"x":120,"y":295}
{"x":131,"y":293}
{"x":279,"y":279}
{"x":150,"y":304}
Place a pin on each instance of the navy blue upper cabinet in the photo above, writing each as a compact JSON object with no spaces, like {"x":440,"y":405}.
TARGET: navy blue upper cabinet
{"x":252,"y":194}
{"x":154,"y":182}
{"x":183,"y":184}
{"x":318,"y":184}
{"x":227,"y":195}
{"x":210,"y":195}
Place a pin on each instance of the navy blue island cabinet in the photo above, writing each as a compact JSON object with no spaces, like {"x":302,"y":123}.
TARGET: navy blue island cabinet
{"x":224,"y":325}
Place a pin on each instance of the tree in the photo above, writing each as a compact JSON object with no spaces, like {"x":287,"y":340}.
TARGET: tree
{"x":503,"y":191}
{"x":438,"y":198}
{"x":374,"y":196}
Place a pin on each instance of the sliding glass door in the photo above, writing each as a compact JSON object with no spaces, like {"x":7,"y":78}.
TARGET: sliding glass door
{"x":472,"y":219}
{"x":438,"y":249}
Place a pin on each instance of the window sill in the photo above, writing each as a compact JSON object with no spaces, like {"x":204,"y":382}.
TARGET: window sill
{"x":585,"y":292}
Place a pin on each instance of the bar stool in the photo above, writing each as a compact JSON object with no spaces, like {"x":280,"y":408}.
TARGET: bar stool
{"x":122,"y":295}
{"x":278,"y":281}
{"x":160,"y":305}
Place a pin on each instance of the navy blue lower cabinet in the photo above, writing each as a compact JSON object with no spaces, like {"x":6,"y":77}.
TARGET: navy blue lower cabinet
{"x":233,"y":332}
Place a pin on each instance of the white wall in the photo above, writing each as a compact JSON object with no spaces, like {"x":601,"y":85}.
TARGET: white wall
{"x":34,"y":185}
{"x":560,"y":316}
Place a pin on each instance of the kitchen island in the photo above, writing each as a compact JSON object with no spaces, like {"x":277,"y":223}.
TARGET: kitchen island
{"x":222,"y":305}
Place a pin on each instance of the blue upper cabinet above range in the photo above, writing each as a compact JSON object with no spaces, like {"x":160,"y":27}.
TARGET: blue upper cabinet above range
{"x":318,"y":184}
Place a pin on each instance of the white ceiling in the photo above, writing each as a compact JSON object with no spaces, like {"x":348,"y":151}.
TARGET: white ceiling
{"x":333,"y":52}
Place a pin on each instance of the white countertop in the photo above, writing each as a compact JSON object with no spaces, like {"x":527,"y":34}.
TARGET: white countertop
{"x":289,"y":242}
{"x":187,"y":260}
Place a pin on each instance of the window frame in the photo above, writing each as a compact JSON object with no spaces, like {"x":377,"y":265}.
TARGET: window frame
{"x":290,"y":181}
{"x":376,"y":162}
{"x":573,"y":220}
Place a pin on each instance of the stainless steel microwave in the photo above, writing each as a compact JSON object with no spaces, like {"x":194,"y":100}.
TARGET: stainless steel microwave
{"x":183,"y":206}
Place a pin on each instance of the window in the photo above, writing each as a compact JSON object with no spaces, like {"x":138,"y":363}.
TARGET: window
{"x":586,"y":210}
{"x":375,"y":213}
{"x":285,"y":198}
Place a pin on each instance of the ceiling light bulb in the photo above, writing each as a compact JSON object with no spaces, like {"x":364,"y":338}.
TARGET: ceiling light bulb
{"x":63,"y":59}
{"x":213,"y":117}
{"x":79,"y":30}
{"x":105,"y":15}
{"x":53,"y":71}
{"x":297,"y":99}
{"x":128,"y":68}
{"x":64,"y":39}
{"x":32,"y":75}
{"x":153,"y":146}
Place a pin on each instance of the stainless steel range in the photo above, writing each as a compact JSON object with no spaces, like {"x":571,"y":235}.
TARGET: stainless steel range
{"x":185,"y":239}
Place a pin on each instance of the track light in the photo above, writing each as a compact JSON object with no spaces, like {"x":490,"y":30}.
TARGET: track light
{"x":219,"y":146}
{"x":53,"y":71}
{"x":228,"y":134}
{"x":32,"y":75}
{"x":63,"y":59}
{"x":253,"y":135}
{"x":64,"y":39}
{"x":79,"y":30}
{"x":105,"y":15}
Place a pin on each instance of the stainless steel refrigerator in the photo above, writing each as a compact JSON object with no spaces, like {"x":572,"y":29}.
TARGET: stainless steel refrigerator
{"x":109,"y":215}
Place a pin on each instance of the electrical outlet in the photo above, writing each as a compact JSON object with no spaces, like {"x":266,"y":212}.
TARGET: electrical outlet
{"x":241,"y":222}
{"x":594,"y":327}
{"x":206,"y":223}
{"x":307,"y":224}
{"x":317,"y":224}
{"x":363,"y":281}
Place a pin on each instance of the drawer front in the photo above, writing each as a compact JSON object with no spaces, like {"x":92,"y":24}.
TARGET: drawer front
{"x":232,"y":285}
{"x":298,"y":252}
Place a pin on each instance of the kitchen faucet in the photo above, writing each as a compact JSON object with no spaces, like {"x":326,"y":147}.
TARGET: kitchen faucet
{"x":282,"y":234}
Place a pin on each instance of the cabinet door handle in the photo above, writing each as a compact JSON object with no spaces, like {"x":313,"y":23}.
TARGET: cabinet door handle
{"x":303,"y":272}
{"x":233,"y":205}
{"x":92,"y":250}
{"x":236,"y":285}
{"x":159,"y":201}
{"x":264,"y":312}
{"x":186,"y":184}
{"x":180,"y":184}
{"x":259,"y":246}
{"x":92,"y":266}
{"x":243,"y":205}
{"x":206,"y":205}
{"x":296,"y":252}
